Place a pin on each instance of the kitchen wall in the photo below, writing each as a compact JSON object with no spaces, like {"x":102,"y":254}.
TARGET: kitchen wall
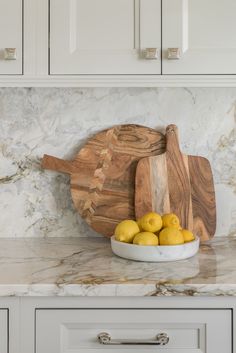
{"x":35,"y":203}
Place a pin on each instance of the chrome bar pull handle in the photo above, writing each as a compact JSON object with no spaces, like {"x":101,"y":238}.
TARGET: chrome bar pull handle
{"x":105,"y":338}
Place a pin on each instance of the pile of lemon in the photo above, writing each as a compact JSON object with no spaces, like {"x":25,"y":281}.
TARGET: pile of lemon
{"x":153,"y":229}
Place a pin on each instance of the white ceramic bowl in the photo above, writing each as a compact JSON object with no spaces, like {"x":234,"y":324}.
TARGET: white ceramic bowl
{"x":155,"y":253}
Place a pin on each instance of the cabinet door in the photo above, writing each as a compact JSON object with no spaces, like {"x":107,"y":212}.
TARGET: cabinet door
{"x":11,"y":36}
{"x":104,"y":36}
{"x":190,"y":331}
{"x":205,"y":33}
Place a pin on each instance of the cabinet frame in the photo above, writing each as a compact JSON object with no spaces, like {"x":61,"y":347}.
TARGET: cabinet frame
{"x":36,"y":63}
{"x":11,"y":306}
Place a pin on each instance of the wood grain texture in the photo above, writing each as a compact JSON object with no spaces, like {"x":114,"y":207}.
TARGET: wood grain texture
{"x":174,"y":182}
{"x":178,"y":180}
{"x":103,"y":173}
{"x":203,"y":197}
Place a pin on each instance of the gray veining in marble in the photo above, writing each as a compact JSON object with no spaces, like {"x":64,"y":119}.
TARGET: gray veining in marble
{"x":33,"y":121}
{"x":87,"y":267}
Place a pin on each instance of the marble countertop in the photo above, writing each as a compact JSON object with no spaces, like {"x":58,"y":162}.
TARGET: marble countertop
{"x":87,"y":267}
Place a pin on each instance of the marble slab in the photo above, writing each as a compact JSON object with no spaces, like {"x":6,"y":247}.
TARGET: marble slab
{"x":87,"y":267}
{"x":57,"y":121}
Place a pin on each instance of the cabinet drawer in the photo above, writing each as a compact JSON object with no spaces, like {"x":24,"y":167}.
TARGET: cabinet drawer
{"x":76,"y":330}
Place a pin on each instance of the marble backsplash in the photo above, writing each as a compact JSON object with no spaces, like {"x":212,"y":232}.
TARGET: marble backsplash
{"x":36,"y":203}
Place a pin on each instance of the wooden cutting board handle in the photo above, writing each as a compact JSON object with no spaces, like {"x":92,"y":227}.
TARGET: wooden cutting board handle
{"x":172,"y":139}
{"x":60,"y":165}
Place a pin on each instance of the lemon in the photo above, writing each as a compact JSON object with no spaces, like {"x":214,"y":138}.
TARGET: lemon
{"x":188,"y":236}
{"x":170,"y":220}
{"x":126,"y":230}
{"x":145,"y":238}
{"x":171,"y":236}
{"x":150,"y":222}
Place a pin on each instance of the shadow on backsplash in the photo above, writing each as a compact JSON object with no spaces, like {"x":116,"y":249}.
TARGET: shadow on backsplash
{"x":34,"y":203}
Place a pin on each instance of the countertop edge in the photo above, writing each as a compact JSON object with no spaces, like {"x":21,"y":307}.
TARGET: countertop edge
{"x":117,"y":290}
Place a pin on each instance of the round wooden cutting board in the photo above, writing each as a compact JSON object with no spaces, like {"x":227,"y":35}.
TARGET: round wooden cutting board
{"x":103,"y":173}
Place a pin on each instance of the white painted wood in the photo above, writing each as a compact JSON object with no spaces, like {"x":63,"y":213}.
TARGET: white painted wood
{"x":9,"y":325}
{"x":11,"y":32}
{"x":204,"y":30}
{"x":104,"y":37}
{"x":205,"y":33}
{"x":99,"y":302}
{"x":118,"y":81}
{"x":75,"y":330}
{"x":3,"y":331}
{"x":29,"y":304}
{"x":35,"y":38}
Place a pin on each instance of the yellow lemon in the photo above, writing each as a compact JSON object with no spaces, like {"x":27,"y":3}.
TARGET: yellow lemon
{"x":171,"y":236}
{"x":170,"y":220}
{"x":126,"y":230}
{"x":188,"y":236}
{"x":150,"y":222}
{"x":145,"y":238}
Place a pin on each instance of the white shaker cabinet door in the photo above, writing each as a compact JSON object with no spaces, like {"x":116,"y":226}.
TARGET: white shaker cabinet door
{"x":205,"y":34}
{"x":105,"y":37}
{"x":11,"y":32}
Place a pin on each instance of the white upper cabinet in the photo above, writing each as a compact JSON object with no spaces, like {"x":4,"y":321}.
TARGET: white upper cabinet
{"x":105,"y":37}
{"x":204,"y":31}
{"x":118,"y":43}
{"x":11,"y":37}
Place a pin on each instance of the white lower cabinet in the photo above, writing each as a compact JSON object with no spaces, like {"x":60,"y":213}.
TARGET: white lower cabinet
{"x":189,"y":330}
{"x":4,"y":331}
{"x":72,"y":324}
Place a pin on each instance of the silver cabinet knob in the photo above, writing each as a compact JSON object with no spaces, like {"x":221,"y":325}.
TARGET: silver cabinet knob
{"x":151,"y":53}
{"x":105,"y":338}
{"x":173,"y":54}
{"x":10,"y":53}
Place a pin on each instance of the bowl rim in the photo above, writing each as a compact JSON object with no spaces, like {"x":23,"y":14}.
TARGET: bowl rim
{"x":195,"y":241}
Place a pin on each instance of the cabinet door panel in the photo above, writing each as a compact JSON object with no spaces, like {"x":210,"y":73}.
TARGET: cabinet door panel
{"x":11,"y":35}
{"x":205,"y":32}
{"x":190,"y":331}
{"x":104,"y":36}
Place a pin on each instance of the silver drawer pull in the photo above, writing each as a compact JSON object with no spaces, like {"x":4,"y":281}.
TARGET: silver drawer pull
{"x":173,"y":54}
{"x":151,"y":54}
{"x":10,"y":53}
{"x":105,"y":338}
